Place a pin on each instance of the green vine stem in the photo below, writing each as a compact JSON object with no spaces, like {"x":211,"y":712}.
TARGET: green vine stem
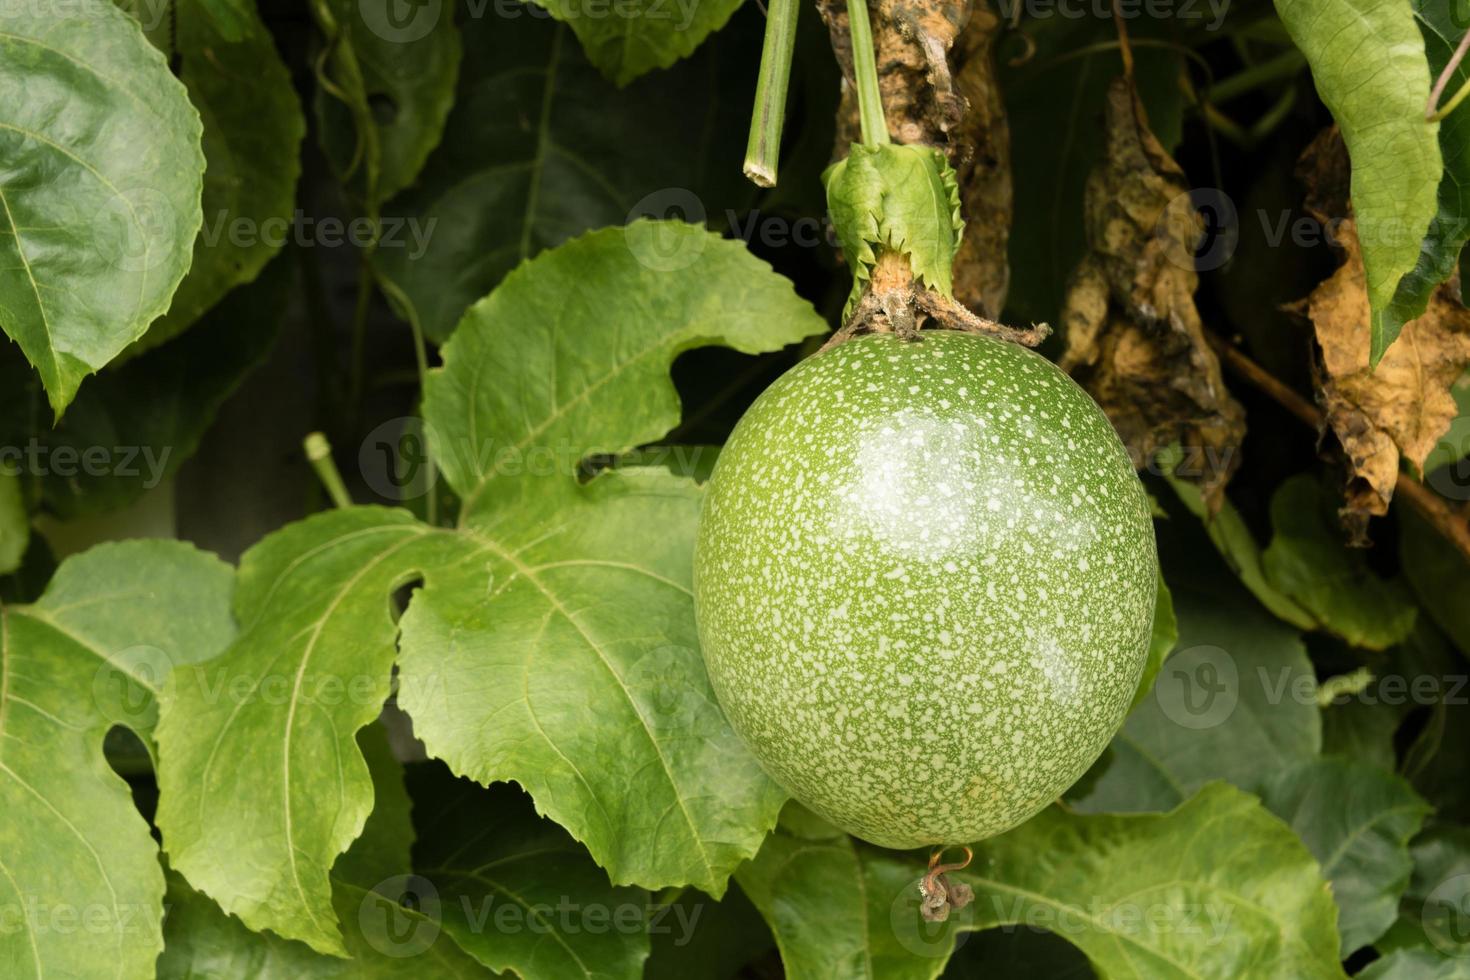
{"x":763,"y":151}
{"x":1433,"y":114}
{"x":865,"y":69}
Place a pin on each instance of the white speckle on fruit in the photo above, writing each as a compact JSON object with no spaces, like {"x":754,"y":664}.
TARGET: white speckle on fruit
{"x":924,"y":607}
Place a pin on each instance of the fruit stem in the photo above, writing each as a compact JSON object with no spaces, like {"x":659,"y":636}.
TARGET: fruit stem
{"x":763,"y":151}
{"x":865,"y":69}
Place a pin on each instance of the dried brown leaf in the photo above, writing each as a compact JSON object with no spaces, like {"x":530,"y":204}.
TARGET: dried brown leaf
{"x":1402,"y":408}
{"x":1134,"y":338}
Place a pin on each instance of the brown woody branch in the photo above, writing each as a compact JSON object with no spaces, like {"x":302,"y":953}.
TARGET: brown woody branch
{"x":1453,"y":527}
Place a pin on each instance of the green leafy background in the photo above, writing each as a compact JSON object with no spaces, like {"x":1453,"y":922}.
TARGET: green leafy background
{"x":460,"y":727}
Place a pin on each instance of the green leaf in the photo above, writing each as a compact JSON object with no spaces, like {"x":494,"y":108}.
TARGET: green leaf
{"x":383,"y":936}
{"x":138,"y":422}
{"x":1369,"y":66}
{"x":1357,"y":821}
{"x":541,"y":151}
{"x":1361,"y":730}
{"x":15,"y":521}
{"x":517,"y":892}
{"x":905,"y":199}
{"x":1236,"y":701}
{"x":1454,"y":445}
{"x":552,"y":642}
{"x":640,"y":35}
{"x":591,"y":330}
{"x":107,"y":167}
{"x":1438,"y":574}
{"x":1428,"y":670}
{"x":1416,"y":964}
{"x":1161,"y":642}
{"x":253,"y":128}
{"x":77,"y":860}
{"x":1442,"y":24}
{"x":1235,"y":543}
{"x":311,"y":667}
{"x":1432,"y":910}
{"x":394,"y":84}
{"x":1308,"y":561}
{"x":1237,"y":895}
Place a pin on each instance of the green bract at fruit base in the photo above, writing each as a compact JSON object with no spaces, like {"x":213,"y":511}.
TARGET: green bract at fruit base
{"x":454,"y":524}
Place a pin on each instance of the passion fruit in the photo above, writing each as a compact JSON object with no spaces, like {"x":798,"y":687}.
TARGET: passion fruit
{"x":924,"y":581}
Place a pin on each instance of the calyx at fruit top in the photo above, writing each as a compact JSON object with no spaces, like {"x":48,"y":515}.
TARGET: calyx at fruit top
{"x":896,"y":210}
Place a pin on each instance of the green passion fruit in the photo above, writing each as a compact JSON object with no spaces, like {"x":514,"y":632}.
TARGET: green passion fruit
{"x":925,"y":583}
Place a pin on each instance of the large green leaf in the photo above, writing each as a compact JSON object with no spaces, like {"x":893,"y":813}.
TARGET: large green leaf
{"x":1216,"y":888}
{"x":588,"y":337}
{"x":1442,"y":22}
{"x":629,"y":39}
{"x":1416,"y":964}
{"x":310,"y":668}
{"x":77,"y":861}
{"x":99,"y":203}
{"x":1357,"y":821}
{"x":385,"y":937}
{"x":253,"y":128}
{"x":553,"y":641}
{"x":542,"y":150}
{"x":1308,"y":561}
{"x":1368,"y":62}
{"x":517,"y":892}
{"x":391,"y":86}
{"x":1236,"y":701}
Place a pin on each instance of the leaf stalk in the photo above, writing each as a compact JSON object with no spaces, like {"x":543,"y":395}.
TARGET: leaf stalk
{"x":319,"y":455}
{"x":763,"y":151}
{"x":865,"y":70}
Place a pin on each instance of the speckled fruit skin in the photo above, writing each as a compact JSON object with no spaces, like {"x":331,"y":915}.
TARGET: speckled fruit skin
{"x":925,"y":583}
